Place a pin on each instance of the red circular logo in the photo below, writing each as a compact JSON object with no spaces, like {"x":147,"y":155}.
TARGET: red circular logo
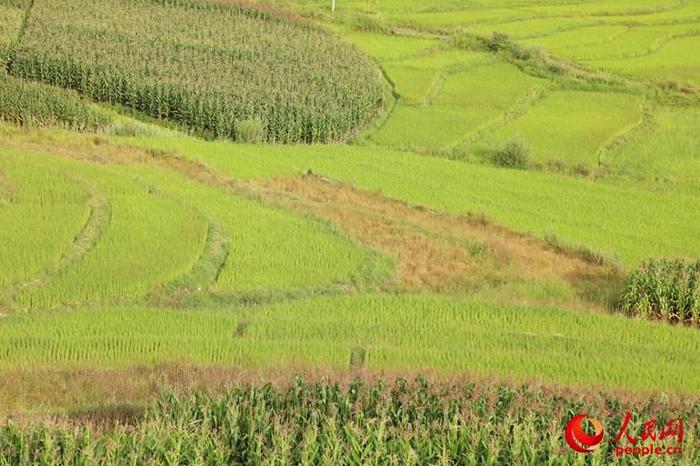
{"x":578,"y":439}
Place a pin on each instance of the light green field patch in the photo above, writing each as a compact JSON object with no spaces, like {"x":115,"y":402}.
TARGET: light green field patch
{"x":635,"y":42}
{"x":411,"y":83}
{"x":40,"y":214}
{"x":446,"y":58}
{"x":269,"y":249}
{"x":579,"y":40}
{"x":465,"y":101}
{"x":688,"y":12}
{"x":571,"y":127}
{"x":426,"y":128}
{"x":447,"y":20}
{"x":670,"y":150}
{"x":671,"y":62}
{"x":414,"y":77}
{"x":487,"y":90}
{"x":396,"y":332}
{"x":631,"y":8}
{"x":384,"y":47}
{"x":537,"y":27}
{"x":149,"y":240}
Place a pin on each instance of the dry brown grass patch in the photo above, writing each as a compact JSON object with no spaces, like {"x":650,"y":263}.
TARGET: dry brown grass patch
{"x":438,"y":251}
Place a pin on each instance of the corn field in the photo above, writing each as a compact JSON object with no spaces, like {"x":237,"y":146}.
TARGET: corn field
{"x":31,"y":104}
{"x":214,"y":69}
{"x":667,"y":290}
{"x":322,"y":423}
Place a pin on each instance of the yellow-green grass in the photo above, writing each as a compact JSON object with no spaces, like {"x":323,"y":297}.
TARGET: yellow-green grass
{"x":412,"y":84}
{"x":543,"y":27}
{"x":570,"y":126}
{"x":612,"y":218}
{"x":269,"y":249}
{"x":634,"y":42}
{"x":393,"y":332}
{"x":426,"y":128}
{"x":41,"y":212}
{"x":668,"y":150}
{"x":451,"y":20}
{"x":158,"y":225}
{"x":580,"y":39}
{"x":672,"y":62}
{"x":631,"y":8}
{"x":488,"y":89}
{"x":445,"y":58}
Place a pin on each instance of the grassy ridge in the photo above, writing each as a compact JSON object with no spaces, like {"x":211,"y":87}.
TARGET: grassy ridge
{"x":374,"y":332}
{"x":287,"y":80}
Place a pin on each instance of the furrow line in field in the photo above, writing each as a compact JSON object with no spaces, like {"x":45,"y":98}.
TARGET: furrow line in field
{"x":518,"y":109}
{"x":436,"y":86}
{"x":203,"y":273}
{"x":623,"y":136}
{"x":93,"y":229}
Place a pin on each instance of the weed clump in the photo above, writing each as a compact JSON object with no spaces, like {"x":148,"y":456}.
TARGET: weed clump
{"x":365,"y":23}
{"x":250,"y":131}
{"x":131,"y":129}
{"x":663,"y":289}
{"x":515,"y":153}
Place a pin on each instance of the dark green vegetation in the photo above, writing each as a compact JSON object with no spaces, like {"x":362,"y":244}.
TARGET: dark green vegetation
{"x":364,"y":424}
{"x":210,"y":68}
{"x":666,"y":290}
{"x":31,"y":104}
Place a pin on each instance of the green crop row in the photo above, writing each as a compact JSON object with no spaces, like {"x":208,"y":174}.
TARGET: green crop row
{"x":376,"y":332}
{"x":211,"y":68}
{"x":365,"y":424}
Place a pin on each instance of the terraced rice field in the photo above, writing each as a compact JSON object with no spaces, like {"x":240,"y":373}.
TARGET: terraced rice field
{"x":468,"y":189}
